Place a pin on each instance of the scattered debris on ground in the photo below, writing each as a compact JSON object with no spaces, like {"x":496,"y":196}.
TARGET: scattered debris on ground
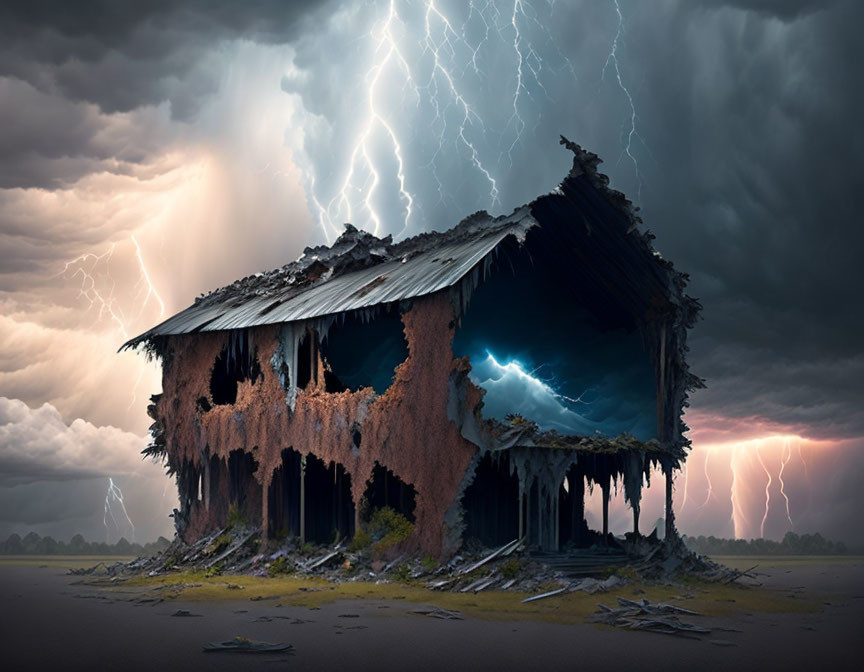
{"x":439,"y":612}
{"x":243,"y":645}
{"x":183,"y":613}
{"x":648,"y":616}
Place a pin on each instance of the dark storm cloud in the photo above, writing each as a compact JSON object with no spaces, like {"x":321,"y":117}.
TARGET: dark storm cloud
{"x":755,"y":132}
{"x":121,"y":55}
{"x":786,"y":10}
{"x":67,"y":68}
{"x":50,"y":141}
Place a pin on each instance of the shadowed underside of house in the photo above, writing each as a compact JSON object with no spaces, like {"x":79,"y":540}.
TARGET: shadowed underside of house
{"x":474,"y":380}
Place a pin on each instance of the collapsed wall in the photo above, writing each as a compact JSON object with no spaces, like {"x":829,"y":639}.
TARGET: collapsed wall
{"x":405,"y":429}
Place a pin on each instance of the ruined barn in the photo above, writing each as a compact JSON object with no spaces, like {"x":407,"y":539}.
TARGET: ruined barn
{"x":475,"y":380}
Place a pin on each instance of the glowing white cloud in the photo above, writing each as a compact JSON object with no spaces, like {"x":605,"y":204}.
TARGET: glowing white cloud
{"x":511,"y":389}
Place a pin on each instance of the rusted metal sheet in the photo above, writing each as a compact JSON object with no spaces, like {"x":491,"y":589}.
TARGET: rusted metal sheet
{"x":440,"y":263}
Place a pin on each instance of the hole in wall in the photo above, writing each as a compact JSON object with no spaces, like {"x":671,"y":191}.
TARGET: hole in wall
{"x":385,"y":489}
{"x":332,"y":383}
{"x":364,"y":353}
{"x":231,"y":368}
{"x":304,"y":361}
{"x":561,"y":362}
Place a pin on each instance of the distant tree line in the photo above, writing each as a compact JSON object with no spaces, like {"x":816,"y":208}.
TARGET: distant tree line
{"x":33,"y":544}
{"x":792,"y":544}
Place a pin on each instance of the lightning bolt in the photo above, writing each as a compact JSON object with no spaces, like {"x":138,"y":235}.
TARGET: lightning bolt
{"x":631,"y":132}
{"x":804,"y":464}
{"x":708,"y":479}
{"x":112,"y":497}
{"x":469,"y":116}
{"x":767,"y":492}
{"x":98,"y":288}
{"x":520,"y":60}
{"x":85,"y":268}
{"x":151,"y":292}
{"x":739,"y":518}
{"x":88,"y":268}
{"x":386,"y":50}
{"x":432,"y":74}
{"x":785,"y":456}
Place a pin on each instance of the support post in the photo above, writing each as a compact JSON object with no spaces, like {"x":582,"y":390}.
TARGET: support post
{"x":556,"y":532}
{"x":539,"y":516}
{"x":303,"y":499}
{"x":521,"y":513}
{"x":205,"y":483}
{"x":636,"y":519}
{"x":265,"y":515}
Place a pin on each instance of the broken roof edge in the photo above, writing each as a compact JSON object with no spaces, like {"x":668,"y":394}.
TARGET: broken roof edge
{"x":356,"y":251}
{"x":476,"y":236}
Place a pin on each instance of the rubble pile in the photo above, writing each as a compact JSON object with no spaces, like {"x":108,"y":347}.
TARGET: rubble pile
{"x":224,"y":550}
{"x":672,"y":558}
{"x":510,"y":567}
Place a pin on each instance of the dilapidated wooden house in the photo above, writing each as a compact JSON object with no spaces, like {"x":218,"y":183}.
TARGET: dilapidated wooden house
{"x":474,"y":380}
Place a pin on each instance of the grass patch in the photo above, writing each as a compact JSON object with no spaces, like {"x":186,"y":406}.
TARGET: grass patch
{"x":708,"y":599}
{"x":385,"y":529}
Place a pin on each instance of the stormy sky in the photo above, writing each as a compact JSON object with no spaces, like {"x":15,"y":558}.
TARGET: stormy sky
{"x":153,"y":151}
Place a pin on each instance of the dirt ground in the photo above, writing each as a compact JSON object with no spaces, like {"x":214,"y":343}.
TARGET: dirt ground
{"x":47,"y":621}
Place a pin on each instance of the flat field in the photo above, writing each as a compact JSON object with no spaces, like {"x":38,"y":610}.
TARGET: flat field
{"x":807,"y":614}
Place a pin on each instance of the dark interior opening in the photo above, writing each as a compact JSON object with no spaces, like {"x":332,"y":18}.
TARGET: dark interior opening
{"x":491,"y":502}
{"x":364,"y":353}
{"x":305,"y":353}
{"x":283,"y":504}
{"x":218,"y":490}
{"x":332,"y":383}
{"x":234,"y":365}
{"x":329,"y":508}
{"x":531,"y":509}
{"x":385,"y":489}
{"x":242,"y":487}
{"x":565,"y":362}
{"x":572,"y":528}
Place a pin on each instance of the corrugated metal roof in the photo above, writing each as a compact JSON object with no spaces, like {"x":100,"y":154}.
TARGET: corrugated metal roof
{"x":440,"y":261}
